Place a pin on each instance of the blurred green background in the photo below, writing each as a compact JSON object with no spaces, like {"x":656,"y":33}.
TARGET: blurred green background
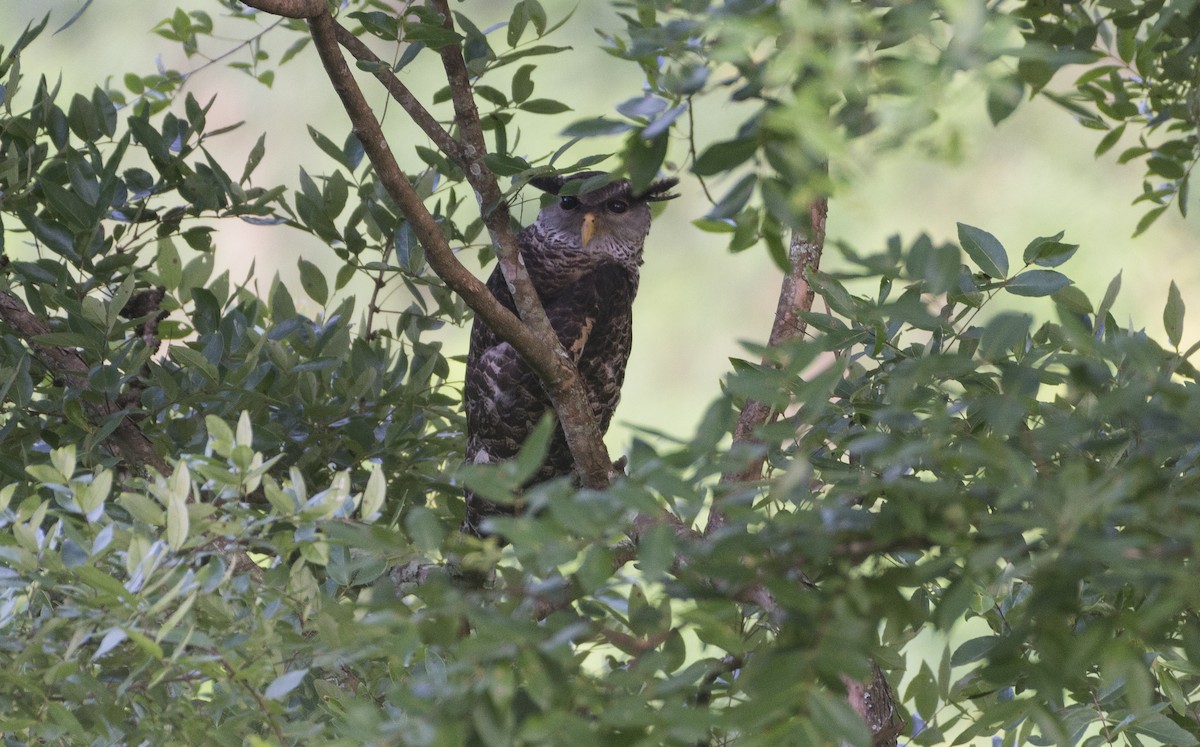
{"x":1034,"y":175}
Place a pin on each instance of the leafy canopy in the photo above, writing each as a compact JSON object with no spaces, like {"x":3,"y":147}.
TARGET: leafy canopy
{"x":293,"y":574}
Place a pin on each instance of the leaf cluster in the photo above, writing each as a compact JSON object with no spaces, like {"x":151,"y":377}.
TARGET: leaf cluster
{"x":1024,"y":485}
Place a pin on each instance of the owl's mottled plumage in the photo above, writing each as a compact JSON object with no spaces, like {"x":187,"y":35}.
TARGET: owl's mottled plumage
{"x":583,"y":255}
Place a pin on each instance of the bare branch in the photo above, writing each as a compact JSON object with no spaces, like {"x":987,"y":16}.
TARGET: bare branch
{"x":290,"y":8}
{"x":126,"y":441}
{"x":437,"y":249}
{"x":400,"y":93}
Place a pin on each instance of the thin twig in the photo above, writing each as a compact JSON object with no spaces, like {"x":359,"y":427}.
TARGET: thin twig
{"x":400,"y":93}
{"x":692,"y":149}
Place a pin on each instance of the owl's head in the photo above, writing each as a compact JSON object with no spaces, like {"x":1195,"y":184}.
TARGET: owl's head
{"x":595,"y":214}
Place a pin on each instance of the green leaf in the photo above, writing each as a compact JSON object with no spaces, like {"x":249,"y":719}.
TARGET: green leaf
{"x":245,"y":430}
{"x":1110,"y":139}
{"x":938,"y":266}
{"x":142,"y":508}
{"x":505,"y":165}
{"x":65,"y":340}
{"x":1048,"y":251}
{"x":113,"y":638}
{"x":735,"y":199}
{"x":193,"y":359}
{"x":83,"y":119}
{"x":1073,"y":300}
{"x":721,"y":157}
{"x":656,"y":550}
{"x":92,"y":498}
{"x":328,"y":147}
{"x":1168,"y":168}
{"x":1173,"y":315}
{"x":517,"y":22}
{"x":544,"y":106}
{"x":522,"y":81}
{"x":374,"y":494}
{"x":1110,"y":297}
{"x":597,"y":127}
{"x":1159,"y":727}
{"x":1037,"y":283}
{"x":643,"y":159}
{"x":431,"y":35}
{"x":423,"y":526}
{"x":169,"y":265}
{"x":835,"y":719}
{"x":973,"y":650}
{"x":179,"y":488}
{"x":1003,"y":98}
{"x":284,"y":684}
{"x":537,"y":14}
{"x":52,"y":235}
{"x":1148,"y":219}
{"x":372,"y":66}
{"x":533,"y":451}
{"x":312,"y":279}
{"x":985,"y":249}
{"x":409,"y":251}
{"x":1003,"y":333}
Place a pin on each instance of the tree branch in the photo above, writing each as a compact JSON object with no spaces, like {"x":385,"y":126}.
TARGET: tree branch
{"x":532,"y":335}
{"x":401,"y":95}
{"x":562,"y":383}
{"x":126,"y":441}
{"x":795,"y":296}
{"x":437,"y":249}
{"x":291,"y":8}
{"x":875,"y":702}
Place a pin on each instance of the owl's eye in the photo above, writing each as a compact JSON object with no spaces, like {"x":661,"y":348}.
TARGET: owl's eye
{"x":568,"y":203}
{"x":617,"y":206}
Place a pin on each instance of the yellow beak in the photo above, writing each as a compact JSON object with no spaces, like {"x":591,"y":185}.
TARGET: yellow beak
{"x":588,"y":232}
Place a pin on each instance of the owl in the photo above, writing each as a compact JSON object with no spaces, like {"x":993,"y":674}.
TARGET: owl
{"x":583,"y":254}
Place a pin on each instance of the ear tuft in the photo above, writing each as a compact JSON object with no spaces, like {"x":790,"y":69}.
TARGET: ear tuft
{"x":659,"y":190}
{"x":551,"y":183}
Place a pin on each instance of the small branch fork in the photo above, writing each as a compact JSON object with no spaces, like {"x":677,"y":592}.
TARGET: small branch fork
{"x":531,"y":334}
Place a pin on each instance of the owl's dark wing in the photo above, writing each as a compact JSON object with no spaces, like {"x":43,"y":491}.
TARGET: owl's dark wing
{"x":505,"y":399}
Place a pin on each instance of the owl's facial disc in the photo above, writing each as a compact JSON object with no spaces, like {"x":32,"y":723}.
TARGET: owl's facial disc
{"x":587,"y":231}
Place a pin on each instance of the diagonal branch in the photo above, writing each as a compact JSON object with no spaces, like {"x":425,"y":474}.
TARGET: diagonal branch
{"x":126,"y":441}
{"x":566,"y":390}
{"x":292,"y":8}
{"x":400,"y":93}
{"x":531,"y":335}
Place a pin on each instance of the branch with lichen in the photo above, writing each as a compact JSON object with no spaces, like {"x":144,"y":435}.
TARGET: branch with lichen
{"x":872,"y":699}
{"x":795,"y":297}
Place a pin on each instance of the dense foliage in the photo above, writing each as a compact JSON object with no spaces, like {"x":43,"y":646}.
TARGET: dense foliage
{"x":291,"y":571}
